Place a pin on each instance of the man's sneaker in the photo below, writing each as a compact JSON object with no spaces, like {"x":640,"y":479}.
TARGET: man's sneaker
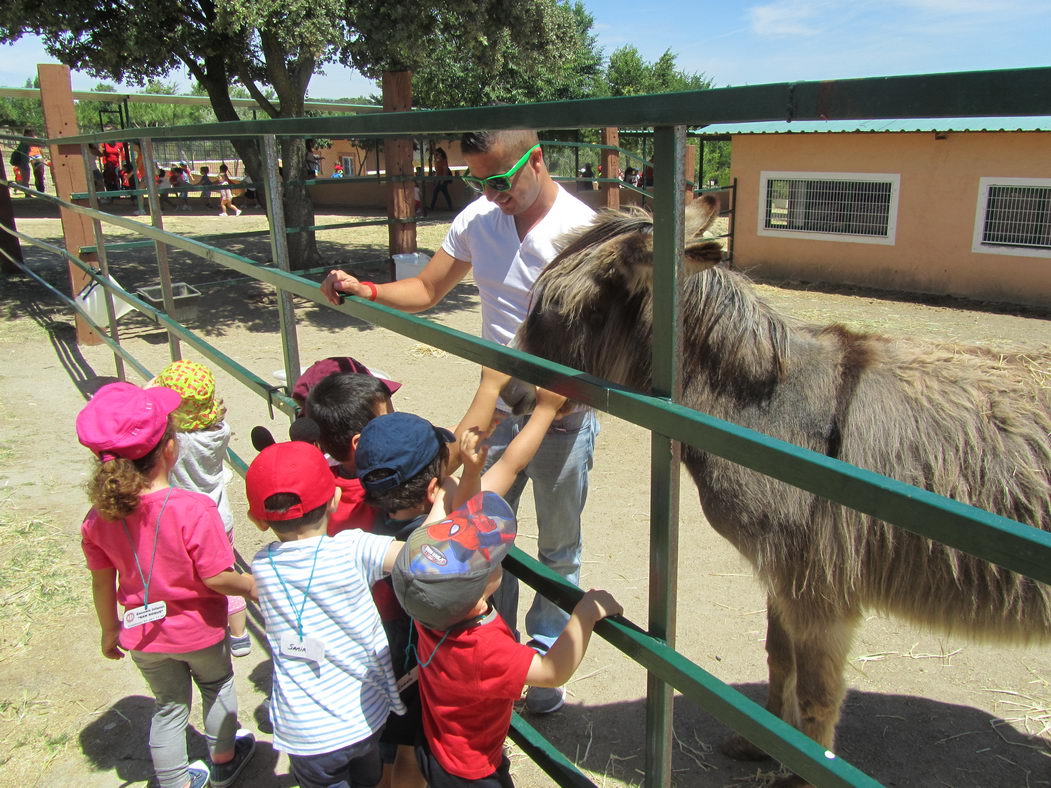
{"x":198,"y":773}
{"x":240,"y":646}
{"x":224,"y":774}
{"x":544,"y":700}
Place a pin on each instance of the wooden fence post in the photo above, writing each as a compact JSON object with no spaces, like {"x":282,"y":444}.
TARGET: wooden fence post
{"x":611,"y":167}
{"x":60,"y":120}
{"x":397,"y":155}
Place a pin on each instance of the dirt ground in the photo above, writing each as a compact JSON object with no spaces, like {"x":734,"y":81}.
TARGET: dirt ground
{"x":922,"y":710}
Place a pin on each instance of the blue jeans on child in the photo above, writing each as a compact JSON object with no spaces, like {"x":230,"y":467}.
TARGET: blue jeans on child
{"x":559,"y":473}
{"x":169,"y":677}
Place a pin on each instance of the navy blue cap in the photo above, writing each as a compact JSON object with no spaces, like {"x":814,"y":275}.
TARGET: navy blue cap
{"x":401,"y":443}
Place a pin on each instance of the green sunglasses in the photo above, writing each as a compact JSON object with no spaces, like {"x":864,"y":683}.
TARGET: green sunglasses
{"x":498,"y":183}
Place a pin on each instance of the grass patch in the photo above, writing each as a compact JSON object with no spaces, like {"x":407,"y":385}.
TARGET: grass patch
{"x":40,"y":579}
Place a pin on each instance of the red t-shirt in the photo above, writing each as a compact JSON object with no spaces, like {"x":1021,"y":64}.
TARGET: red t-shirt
{"x":112,"y":153}
{"x":191,"y":544}
{"x":352,"y":511}
{"x":468,"y":689}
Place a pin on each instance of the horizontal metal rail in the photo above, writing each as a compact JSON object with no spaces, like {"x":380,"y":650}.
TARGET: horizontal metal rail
{"x":767,"y":731}
{"x":960,"y":94}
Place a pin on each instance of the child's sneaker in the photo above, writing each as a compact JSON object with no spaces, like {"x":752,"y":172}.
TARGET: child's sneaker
{"x":240,"y":646}
{"x":238,"y":212}
{"x":198,"y":773}
{"x":224,"y":774}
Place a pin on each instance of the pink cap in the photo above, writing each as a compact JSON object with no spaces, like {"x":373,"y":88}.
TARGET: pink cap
{"x":122,"y":420}
{"x":294,"y":467}
{"x":320,"y":370}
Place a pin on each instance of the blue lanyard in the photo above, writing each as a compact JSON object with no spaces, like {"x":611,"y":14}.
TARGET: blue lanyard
{"x":146,"y":580}
{"x":288,"y":595}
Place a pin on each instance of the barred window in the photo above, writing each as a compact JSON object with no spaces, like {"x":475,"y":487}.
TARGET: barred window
{"x":859,"y":207}
{"x":1014,"y":216}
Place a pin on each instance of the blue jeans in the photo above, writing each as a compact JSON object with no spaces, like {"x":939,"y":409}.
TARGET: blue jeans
{"x":559,"y":473}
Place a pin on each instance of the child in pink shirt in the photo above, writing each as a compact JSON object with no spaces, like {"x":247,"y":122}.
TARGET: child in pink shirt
{"x":162,"y":554}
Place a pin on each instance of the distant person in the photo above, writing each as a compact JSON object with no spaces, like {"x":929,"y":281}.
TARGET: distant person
{"x":20,"y":160}
{"x":337,"y":170}
{"x":441,"y":186}
{"x":36,"y":163}
{"x":226,"y":194}
{"x":112,"y":155}
{"x":588,"y":175}
{"x":312,"y":161}
{"x":206,"y":180}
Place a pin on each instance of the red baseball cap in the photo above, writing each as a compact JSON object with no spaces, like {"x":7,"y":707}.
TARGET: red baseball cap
{"x":123,"y":420}
{"x":293,"y":467}
{"x":320,"y":370}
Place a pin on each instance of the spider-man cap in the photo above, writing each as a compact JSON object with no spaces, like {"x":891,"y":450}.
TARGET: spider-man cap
{"x":441,"y":574}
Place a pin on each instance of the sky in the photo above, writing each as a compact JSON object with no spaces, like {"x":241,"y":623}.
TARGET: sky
{"x":735,"y":42}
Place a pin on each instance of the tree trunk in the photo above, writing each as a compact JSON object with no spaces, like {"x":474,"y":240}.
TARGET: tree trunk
{"x":299,"y":210}
{"x":397,"y":157}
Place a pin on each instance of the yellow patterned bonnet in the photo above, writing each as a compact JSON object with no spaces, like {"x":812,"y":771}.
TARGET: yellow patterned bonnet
{"x":194,"y":382}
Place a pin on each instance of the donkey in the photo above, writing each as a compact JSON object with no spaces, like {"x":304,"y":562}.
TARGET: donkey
{"x":963,"y":422}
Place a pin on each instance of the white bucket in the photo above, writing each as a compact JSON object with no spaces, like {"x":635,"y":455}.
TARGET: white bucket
{"x":409,"y":265}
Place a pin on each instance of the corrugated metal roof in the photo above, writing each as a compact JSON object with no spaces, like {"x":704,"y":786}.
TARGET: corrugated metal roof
{"x":882,"y":125}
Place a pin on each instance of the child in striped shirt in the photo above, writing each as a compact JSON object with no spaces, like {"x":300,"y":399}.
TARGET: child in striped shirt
{"x":333,"y":682}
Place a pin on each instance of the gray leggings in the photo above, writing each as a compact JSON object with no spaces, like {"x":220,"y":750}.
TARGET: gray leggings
{"x":169,"y":677}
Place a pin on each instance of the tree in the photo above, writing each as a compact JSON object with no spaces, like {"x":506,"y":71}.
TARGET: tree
{"x":564,"y":64}
{"x":260,"y":44}
{"x":627,"y":74}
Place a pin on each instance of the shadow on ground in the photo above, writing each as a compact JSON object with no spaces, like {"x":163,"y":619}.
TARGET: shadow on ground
{"x":899,"y":740}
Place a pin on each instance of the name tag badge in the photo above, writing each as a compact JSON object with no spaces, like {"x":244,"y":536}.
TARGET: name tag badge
{"x":137,"y":616}
{"x":310,"y":649}
{"x":408,"y":679}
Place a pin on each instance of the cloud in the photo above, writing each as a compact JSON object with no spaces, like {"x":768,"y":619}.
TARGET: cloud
{"x":783,"y":18}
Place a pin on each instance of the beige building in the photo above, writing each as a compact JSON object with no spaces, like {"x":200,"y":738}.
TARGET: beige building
{"x":946,"y":206}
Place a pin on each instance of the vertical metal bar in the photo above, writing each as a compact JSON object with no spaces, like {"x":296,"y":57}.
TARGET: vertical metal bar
{"x":100,"y":252}
{"x":161,"y":250}
{"x":669,"y":188}
{"x":733,"y":222}
{"x":275,"y":212}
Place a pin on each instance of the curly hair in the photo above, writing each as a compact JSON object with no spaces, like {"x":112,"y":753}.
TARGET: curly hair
{"x":115,"y":486}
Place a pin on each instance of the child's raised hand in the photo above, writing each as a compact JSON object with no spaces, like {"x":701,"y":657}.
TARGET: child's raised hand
{"x":473,"y":451}
{"x":110,"y":649}
{"x":597,"y":604}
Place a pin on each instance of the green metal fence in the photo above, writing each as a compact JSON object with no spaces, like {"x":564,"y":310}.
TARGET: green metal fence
{"x":1006,"y":542}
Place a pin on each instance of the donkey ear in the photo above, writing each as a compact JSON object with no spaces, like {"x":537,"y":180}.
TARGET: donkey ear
{"x":700,"y":213}
{"x":632,"y":259}
{"x":702,"y":256}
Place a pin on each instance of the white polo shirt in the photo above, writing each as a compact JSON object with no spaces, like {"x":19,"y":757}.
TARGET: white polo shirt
{"x":504,"y":267}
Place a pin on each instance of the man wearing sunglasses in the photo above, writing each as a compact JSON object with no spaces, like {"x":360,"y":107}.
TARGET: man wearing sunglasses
{"x":507,"y":236}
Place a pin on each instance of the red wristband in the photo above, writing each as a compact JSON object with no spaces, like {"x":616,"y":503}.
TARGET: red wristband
{"x":372,"y":290}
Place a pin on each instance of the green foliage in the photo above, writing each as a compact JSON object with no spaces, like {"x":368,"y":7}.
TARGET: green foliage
{"x":716,"y":163}
{"x":555,"y":56}
{"x":627,"y":74}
